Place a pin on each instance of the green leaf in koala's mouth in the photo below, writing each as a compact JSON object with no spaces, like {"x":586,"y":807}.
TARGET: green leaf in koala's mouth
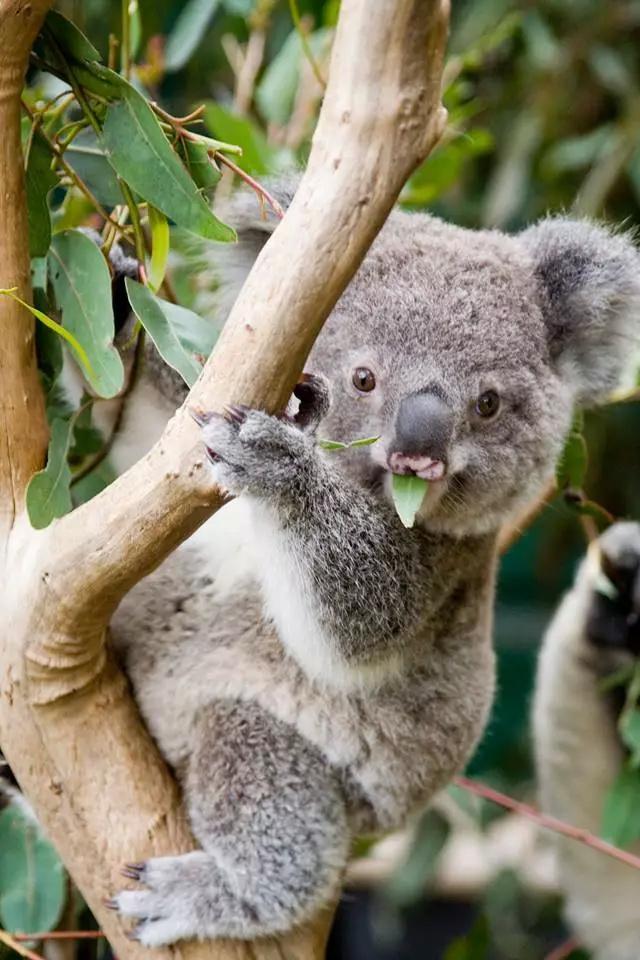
{"x":408,"y":492}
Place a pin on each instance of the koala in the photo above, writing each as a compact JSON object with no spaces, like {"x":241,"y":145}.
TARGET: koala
{"x":578,"y":748}
{"x":308,"y":667}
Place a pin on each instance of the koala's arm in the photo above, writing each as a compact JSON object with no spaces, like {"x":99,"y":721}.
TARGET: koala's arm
{"x":578,"y":756}
{"x":345,"y":583}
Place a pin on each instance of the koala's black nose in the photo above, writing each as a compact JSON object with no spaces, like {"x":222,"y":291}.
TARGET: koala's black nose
{"x":424,"y":427}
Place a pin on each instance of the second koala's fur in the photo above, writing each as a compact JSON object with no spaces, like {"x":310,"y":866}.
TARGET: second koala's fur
{"x":310,"y":668}
{"x":579,"y":751}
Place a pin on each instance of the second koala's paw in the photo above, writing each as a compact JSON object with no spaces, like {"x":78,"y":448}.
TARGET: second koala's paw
{"x":251,"y":451}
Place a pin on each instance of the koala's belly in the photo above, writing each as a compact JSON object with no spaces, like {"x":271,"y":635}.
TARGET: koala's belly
{"x":185,"y":641}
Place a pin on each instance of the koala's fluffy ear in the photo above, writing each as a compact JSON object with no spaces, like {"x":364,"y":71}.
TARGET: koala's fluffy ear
{"x":590,"y":293}
{"x":254,"y":226}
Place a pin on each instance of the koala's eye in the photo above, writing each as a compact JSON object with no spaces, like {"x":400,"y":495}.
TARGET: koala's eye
{"x":487,"y":404}
{"x":363,"y":379}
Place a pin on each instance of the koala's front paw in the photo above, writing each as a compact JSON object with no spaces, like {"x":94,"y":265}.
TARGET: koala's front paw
{"x":251,"y":451}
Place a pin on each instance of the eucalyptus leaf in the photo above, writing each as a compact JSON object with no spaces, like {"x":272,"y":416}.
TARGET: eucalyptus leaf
{"x":40,"y":179}
{"x":621,"y":814}
{"x":572,"y":466}
{"x":630,"y":732}
{"x":52,"y":325}
{"x":407,"y":884}
{"x":140,"y":153}
{"x":48,"y":494}
{"x":33,"y":887}
{"x":71,"y":40}
{"x":89,"y":486}
{"x":257,"y":155}
{"x":339,"y":445}
{"x":82,"y":285}
{"x":204,"y":172}
{"x":278,"y":87}
{"x":408,"y":492}
{"x":189,"y":29}
{"x":180,"y":335}
{"x":86,"y":156}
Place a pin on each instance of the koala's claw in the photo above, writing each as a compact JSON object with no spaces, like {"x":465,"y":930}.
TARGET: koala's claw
{"x":133,"y":871}
{"x":251,"y":451}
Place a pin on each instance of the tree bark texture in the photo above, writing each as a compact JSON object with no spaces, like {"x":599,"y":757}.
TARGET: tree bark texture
{"x":68,"y":725}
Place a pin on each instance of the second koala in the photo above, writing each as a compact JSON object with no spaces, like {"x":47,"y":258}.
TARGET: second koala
{"x":308,"y":667}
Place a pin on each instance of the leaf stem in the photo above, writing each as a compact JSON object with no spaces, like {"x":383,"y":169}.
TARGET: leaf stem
{"x":262,"y":192}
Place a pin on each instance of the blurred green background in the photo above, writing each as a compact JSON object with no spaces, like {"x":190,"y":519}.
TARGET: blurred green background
{"x":544,"y":102}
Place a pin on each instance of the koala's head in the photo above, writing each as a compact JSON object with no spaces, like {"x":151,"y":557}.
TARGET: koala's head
{"x":466,"y":352}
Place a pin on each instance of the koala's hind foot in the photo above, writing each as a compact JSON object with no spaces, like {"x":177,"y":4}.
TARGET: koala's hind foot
{"x":271,"y":820}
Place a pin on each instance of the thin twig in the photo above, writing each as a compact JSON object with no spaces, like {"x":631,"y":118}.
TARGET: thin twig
{"x":259,"y":189}
{"x":11,"y":942}
{"x":548,"y":822}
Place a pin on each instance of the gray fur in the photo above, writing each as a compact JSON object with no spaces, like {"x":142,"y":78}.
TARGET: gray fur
{"x":579,"y":753}
{"x":310,"y":668}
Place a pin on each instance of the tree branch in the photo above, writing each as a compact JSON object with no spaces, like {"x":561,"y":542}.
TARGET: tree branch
{"x":68,"y":725}
{"x":23,"y":425}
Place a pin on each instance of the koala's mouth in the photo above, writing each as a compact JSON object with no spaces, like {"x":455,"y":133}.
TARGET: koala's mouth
{"x":427,"y":468}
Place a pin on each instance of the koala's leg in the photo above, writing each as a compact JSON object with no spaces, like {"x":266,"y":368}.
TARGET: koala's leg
{"x":271,"y":820}
{"x":578,"y":755}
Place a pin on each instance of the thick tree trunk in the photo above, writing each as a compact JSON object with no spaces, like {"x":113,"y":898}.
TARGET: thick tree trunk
{"x":67,"y":723}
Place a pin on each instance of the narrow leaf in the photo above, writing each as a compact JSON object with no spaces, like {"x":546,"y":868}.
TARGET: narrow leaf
{"x":408,"y":493}
{"x":56,"y":327}
{"x":140,"y":153}
{"x":364,"y":441}
{"x":72,"y":40}
{"x":48,"y":494}
{"x":188,"y":31}
{"x":86,"y":156}
{"x":82,"y":287}
{"x":159,"y":248}
{"x":572,"y":466}
{"x":333,"y":445}
{"x":179,"y":334}
{"x":630,"y":732}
